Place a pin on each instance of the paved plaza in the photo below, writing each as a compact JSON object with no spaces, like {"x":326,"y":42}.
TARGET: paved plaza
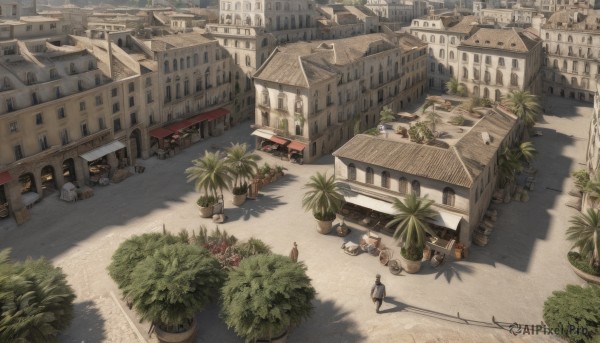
{"x":507,"y":281}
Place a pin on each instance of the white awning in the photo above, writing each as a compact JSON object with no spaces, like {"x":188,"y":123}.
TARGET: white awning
{"x":448,"y":220}
{"x":368,"y":202}
{"x":102,"y":151}
{"x":263,"y":133}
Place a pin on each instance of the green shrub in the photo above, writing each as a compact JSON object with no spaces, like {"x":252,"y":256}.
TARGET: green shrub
{"x":253,"y":247}
{"x":416,"y":255}
{"x":240,"y":190}
{"x":420,"y":133}
{"x":581,"y":178}
{"x":580,"y":263}
{"x":575,"y":313}
{"x":266,"y":295}
{"x":457,"y":120}
{"x":372,"y":131}
{"x":206,"y":200}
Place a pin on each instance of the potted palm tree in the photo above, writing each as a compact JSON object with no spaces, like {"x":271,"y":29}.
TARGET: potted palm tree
{"x":386,"y":115}
{"x":211,"y":176}
{"x":524,"y":105}
{"x":169,"y":287}
{"x":242,"y":167}
{"x":453,"y":87}
{"x":411,"y":229}
{"x":264,"y":296}
{"x":323,"y":199}
{"x":584,"y":232}
{"x":36,"y":303}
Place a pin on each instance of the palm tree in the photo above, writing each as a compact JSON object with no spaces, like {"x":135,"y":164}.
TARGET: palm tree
{"x":509,"y":164}
{"x":241,"y":164}
{"x":526,"y":151}
{"x":411,"y":224}
{"x":210,"y":174}
{"x":432,"y":116}
{"x":266,"y":295}
{"x":584,"y":232}
{"x":452,"y":86}
{"x":36,"y":303}
{"x":386,"y":115}
{"x":524,"y":105}
{"x":323,"y":197}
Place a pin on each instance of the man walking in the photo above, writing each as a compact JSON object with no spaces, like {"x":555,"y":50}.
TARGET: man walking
{"x":378,"y":292}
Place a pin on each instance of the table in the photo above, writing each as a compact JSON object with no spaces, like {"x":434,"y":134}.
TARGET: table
{"x":441,"y":245}
{"x":29,"y":199}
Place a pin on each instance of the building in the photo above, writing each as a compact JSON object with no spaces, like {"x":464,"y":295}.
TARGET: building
{"x":312,"y":95}
{"x":593,"y":149}
{"x":392,"y":10}
{"x":443,"y":34}
{"x":572,"y":46}
{"x":493,"y":62}
{"x":12,"y":9}
{"x":67,"y":105}
{"x":341,"y":21}
{"x":502,"y":17}
{"x":459,"y":174}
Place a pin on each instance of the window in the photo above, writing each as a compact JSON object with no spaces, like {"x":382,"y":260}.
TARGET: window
{"x":514,"y":79}
{"x":499,"y":78}
{"x":133,"y":118}
{"x":61,"y":113}
{"x":385,"y":179}
{"x":116,"y":107}
{"x":43,"y":140}
{"x":175,"y":64}
{"x":166,"y":67}
{"x":432,"y":39}
{"x":82,"y":106}
{"x":369,"y":176}
{"x":101,"y":124}
{"x":448,"y":197}
{"x":451,"y":55}
{"x":351,"y":172}
{"x":99,"y":100}
{"x":10,"y":105}
{"x":113,"y":92}
{"x":465,"y":57}
{"x":205,"y":57}
{"x":416,"y":188}
{"x":515,"y":63}
{"x":131,"y":87}
{"x":64,"y":137}
{"x":488,"y":60}
{"x":148,"y":82}
{"x":501,"y":62}
{"x":117,"y":124}
{"x":149,"y":98}
{"x":476,"y":58}
{"x":39,"y":120}
{"x":12,"y":127}
{"x":84,"y":129}
{"x":18,"y":152}
{"x":53,"y":74}
{"x":131,"y":101}
{"x":402,"y":185}
{"x":465,"y":73}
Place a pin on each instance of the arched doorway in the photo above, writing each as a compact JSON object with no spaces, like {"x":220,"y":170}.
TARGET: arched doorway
{"x":550,"y":90}
{"x":120,"y":43}
{"x":135,"y":145}
{"x":48,"y":178}
{"x":27,"y":182}
{"x":69,"y":170}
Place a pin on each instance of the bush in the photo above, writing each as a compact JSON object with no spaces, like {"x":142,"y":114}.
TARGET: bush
{"x":372,"y":131}
{"x":414,"y":255}
{"x":582,"y":177}
{"x":574,"y":313}
{"x":240,"y":190}
{"x":324,"y":216}
{"x":457,"y":120}
{"x":36,"y":303}
{"x":266,"y":295}
{"x":206,"y":200}
{"x":580,"y":263}
{"x":253,"y":247}
{"x":420,"y":133}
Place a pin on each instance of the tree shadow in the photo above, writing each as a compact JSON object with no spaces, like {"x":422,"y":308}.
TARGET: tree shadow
{"x":211,"y":328}
{"x":449,"y":269}
{"x":87,"y":325}
{"x":254,"y":208}
{"x":328,"y":323}
{"x":280,"y":183}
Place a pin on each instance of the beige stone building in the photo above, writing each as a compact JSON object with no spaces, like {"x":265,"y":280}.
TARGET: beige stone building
{"x":311,"y":95}
{"x":572,"y":46}
{"x":493,"y":62}
{"x":459,"y":175}
{"x":443,"y":34}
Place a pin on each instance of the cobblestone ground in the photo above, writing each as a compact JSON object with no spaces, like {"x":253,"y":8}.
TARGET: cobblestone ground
{"x":507,"y":281}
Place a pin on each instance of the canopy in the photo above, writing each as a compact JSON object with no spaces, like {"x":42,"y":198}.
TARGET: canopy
{"x":279,"y":140}
{"x":448,"y":220}
{"x":102,"y":151}
{"x":179,"y":126}
{"x":263,"y":134}
{"x":296,"y":146}
{"x":5,"y":177}
{"x":217,"y":113}
{"x":161,"y":133}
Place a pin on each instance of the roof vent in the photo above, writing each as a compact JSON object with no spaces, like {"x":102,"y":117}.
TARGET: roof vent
{"x":486,"y":138}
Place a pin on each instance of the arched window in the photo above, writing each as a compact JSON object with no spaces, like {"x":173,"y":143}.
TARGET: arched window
{"x":385,"y":179}
{"x":448,"y":198}
{"x":498,"y":95}
{"x":181,"y":64}
{"x":442,"y":53}
{"x":451,"y":55}
{"x":499,"y":78}
{"x":547,"y":35}
{"x":555,"y":64}
{"x":465,"y":57}
{"x":432,"y":39}
{"x":402,"y":185}
{"x":351,"y":172}
{"x":442,"y":40}
{"x":166,"y":67}
{"x":423,"y":38}
{"x":465,"y":73}
{"x":452,"y":41}
{"x":570,"y":39}
{"x":175,"y":64}
{"x":514,"y":79}
{"x":486,"y":93}
{"x":559,"y":37}
{"x":369,"y":176}
{"x":416,"y":188}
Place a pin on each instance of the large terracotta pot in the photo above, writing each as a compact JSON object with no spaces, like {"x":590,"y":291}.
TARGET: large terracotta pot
{"x":279,"y":339}
{"x":188,"y":336}
{"x":324,"y":226}
{"x":409,"y":266}
{"x":206,"y":212}
{"x":239,"y":200}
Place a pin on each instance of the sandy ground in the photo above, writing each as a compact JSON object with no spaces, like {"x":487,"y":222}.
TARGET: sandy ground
{"x":507,"y":281}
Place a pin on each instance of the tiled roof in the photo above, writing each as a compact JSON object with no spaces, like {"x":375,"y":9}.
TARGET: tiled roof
{"x":162,"y":43}
{"x":465,"y":25}
{"x":502,"y":39}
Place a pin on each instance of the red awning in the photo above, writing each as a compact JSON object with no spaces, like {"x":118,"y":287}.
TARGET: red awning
{"x":5,"y":177}
{"x":161,"y":133}
{"x":279,"y":140}
{"x":296,"y":146}
{"x":217,"y":113}
{"x":197,"y":119}
{"x":178,"y":126}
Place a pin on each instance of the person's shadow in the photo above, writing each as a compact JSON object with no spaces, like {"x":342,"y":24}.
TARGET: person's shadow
{"x":390,"y":305}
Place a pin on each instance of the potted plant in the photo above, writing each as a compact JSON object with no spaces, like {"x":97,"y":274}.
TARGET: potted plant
{"x":211,"y":176}
{"x":264,"y":296}
{"x":411,"y":229}
{"x":279,"y":171}
{"x":323,"y":199}
{"x":584,"y":232}
{"x":169,"y":296}
{"x":266,"y":171}
{"x":242,"y":167}
{"x":36,"y":303}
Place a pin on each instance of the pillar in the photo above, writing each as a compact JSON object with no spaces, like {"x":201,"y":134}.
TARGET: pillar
{"x":113,"y":161}
{"x":82,"y":172}
{"x":58,"y":175}
{"x":37,"y":177}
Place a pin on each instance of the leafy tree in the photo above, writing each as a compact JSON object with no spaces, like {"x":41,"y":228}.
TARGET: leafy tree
{"x":241,"y":165}
{"x":266,"y":295}
{"x":171,"y":286}
{"x":210,"y":174}
{"x":453,"y":87}
{"x":322,"y":197}
{"x":411,"y":224}
{"x":584,"y":232}
{"x":386,"y":115}
{"x":576,"y":308}
{"x":36,"y":303}
{"x":524,"y":105}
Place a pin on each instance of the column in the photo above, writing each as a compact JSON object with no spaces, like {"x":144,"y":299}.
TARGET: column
{"x":82,"y":172}
{"x":113,"y":162}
